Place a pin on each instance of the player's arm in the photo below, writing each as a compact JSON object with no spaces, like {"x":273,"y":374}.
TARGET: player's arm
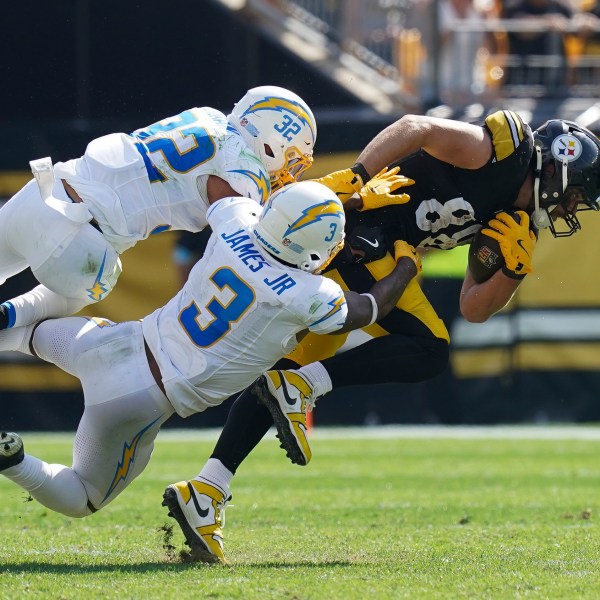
{"x":517,"y":243}
{"x":217,"y":188}
{"x":365,"y":309}
{"x":479,"y":301}
{"x":461,"y":144}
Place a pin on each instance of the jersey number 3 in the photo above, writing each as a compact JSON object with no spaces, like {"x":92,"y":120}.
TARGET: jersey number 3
{"x":221,"y":315}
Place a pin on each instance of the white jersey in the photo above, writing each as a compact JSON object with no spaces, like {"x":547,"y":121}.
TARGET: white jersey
{"x":155,"y":179}
{"x":237,"y":315}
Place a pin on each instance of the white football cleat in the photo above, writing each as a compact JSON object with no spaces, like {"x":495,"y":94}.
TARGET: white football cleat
{"x":199,"y":508}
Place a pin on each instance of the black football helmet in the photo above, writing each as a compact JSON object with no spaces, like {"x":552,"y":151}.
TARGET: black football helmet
{"x":566,"y":162}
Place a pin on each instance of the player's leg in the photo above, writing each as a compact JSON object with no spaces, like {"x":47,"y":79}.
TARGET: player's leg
{"x":73,"y":261}
{"x":409,"y":345}
{"x":14,"y":216}
{"x":247,"y":423}
{"x":124,"y":409}
{"x":56,"y":486}
{"x":34,"y":306}
{"x":198,"y":505}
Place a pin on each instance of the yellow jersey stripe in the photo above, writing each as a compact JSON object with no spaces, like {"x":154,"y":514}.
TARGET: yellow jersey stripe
{"x":507,"y":132}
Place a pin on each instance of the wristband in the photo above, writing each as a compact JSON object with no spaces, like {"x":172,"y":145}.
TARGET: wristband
{"x":358,"y":169}
{"x":375,"y":308}
{"x":512,"y":274}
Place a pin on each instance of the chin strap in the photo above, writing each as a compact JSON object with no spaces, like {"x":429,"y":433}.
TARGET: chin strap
{"x":540,"y":217}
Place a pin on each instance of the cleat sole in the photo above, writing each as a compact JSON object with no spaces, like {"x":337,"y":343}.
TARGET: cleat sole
{"x":284,"y":435}
{"x":199,"y":550}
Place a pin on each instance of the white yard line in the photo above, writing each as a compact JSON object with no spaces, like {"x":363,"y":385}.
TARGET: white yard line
{"x":540,"y":432}
{"x":530,"y":432}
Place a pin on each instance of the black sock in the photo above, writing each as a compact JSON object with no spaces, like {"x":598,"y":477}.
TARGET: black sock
{"x":3,"y":317}
{"x":246,"y":425}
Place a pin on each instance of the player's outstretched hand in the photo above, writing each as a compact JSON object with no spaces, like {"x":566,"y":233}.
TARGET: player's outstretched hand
{"x":377,"y":192}
{"x":344,"y":183}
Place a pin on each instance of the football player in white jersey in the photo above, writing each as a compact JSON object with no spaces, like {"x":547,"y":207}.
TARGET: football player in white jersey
{"x":254,"y":291}
{"x":71,"y":223}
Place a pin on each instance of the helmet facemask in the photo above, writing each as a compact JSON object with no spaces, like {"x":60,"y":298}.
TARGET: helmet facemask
{"x":295,"y":164}
{"x":332,"y":254}
{"x":566,"y":175}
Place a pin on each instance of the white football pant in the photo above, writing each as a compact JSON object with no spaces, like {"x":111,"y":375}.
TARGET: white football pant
{"x":124,"y":410}
{"x":72,"y":260}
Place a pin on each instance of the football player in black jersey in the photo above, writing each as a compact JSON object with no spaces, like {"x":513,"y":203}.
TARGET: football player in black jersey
{"x":463,"y":176}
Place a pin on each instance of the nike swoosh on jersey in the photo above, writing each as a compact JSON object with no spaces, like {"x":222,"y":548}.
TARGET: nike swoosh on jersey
{"x":375,"y":244}
{"x":520,"y":244}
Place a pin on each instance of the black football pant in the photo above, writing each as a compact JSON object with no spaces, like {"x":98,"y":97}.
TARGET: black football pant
{"x":392,"y":358}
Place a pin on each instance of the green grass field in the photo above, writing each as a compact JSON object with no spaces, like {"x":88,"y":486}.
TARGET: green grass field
{"x":413,"y":515}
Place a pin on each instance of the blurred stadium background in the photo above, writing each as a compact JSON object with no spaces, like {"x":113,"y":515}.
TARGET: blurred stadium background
{"x":77,"y":69}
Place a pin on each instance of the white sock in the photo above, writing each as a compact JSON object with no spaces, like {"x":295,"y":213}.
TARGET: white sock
{"x":16,"y":339}
{"x":215,"y":472}
{"x":41,"y":303}
{"x":318,"y":377}
{"x":55,"y":486}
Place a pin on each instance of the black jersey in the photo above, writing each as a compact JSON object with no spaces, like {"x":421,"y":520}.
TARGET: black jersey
{"x":448,"y":205}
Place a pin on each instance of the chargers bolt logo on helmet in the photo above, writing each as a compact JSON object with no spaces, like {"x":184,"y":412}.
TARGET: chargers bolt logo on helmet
{"x":282,"y":105}
{"x":303,"y":225}
{"x":279,"y":127}
{"x":316,"y":212}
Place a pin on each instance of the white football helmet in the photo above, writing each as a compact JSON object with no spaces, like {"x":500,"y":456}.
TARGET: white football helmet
{"x":302,"y":225}
{"x":280,"y":128}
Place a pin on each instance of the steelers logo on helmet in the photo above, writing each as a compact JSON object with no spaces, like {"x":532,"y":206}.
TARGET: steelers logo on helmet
{"x":566,"y":165}
{"x":566,"y":147}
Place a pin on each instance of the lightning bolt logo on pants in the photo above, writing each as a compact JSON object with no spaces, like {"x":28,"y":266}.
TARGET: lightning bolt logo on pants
{"x":97,"y":291}
{"x":127,"y":460}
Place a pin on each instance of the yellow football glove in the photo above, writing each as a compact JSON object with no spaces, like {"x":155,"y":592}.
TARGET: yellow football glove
{"x":377,"y":192}
{"x":402,"y":248}
{"x":344,"y":183}
{"x":516,"y":240}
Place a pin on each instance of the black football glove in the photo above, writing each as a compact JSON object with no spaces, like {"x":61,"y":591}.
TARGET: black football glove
{"x":364,"y":245}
